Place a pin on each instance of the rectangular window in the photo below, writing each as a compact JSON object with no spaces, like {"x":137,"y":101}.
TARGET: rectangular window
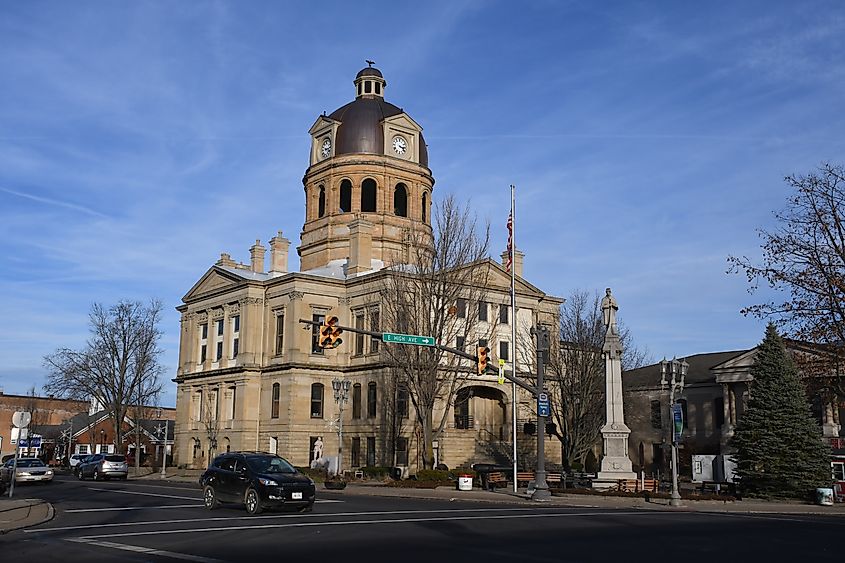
{"x":280,"y":332}
{"x":372,"y":395}
{"x":232,"y":404}
{"x":236,"y":323}
{"x":356,"y":452}
{"x":375,"y":326}
{"x":460,"y":343}
{"x":402,"y":401}
{"x":371,"y":451}
{"x":482,"y":310}
{"x":203,"y":353}
{"x":317,"y":400}
{"x":236,"y":329}
{"x":683,"y":404}
{"x":235,"y":345}
{"x":219,"y":351}
{"x":656,"y":416}
{"x":356,"y":401}
{"x":197,"y":406}
{"x":503,"y":314}
{"x":315,"y":333}
{"x":219,"y":327}
{"x":401,"y":450}
{"x":204,"y":330}
{"x":461,"y":308}
{"x":719,"y":411}
{"x":359,"y":338}
{"x":274,"y":445}
{"x":504,"y":350}
{"x":82,"y":449}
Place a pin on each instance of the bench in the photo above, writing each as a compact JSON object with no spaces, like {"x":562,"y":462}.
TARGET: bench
{"x":528,"y":476}
{"x":496,"y":479}
{"x":636,"y":486}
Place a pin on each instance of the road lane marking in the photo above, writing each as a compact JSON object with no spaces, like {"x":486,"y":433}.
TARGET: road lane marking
{"x":371,"y":522}
{"x":132,"y":508}
{"x":147,"y":550}
{"x":265,"y":517}
{"x":143,"y":494}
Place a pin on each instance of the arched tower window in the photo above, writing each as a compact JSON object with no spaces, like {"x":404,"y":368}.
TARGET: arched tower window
{"x":424,"y":208}
{"x":400,"y":200}
{"x":346,"y":196}
{"x":321,"y":202}
{"x":368,"y":195}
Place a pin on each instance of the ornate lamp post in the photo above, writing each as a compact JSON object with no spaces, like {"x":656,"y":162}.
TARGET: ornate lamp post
{"x":677,"y":370}
{"x":341,"y":396}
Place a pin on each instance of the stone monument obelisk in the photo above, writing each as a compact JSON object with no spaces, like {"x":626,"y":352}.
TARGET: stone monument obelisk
{"x":615,"y":463}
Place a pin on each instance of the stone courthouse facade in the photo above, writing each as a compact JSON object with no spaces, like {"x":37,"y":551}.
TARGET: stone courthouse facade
{"x":252,"y":377}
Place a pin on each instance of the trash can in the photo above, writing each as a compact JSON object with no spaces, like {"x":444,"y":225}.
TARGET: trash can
{"x":824,"y":496}
{"x":465,"y":482}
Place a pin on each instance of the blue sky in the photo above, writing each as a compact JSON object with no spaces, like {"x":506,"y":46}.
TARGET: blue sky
{"x":647,"y":141}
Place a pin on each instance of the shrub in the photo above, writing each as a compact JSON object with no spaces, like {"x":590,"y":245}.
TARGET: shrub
{"x":433,"y":475}
{"x":318,"y":475}
{"x":375,"y":472}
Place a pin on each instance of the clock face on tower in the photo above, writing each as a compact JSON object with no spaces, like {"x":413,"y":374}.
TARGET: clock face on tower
{"x":326,"y":148}
{"x":400,"y":145}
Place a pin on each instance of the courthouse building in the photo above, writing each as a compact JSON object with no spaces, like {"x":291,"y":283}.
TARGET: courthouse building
{"x":250,"y":378}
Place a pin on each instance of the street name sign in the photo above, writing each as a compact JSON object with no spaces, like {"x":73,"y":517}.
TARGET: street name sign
{"x":413,"y":339}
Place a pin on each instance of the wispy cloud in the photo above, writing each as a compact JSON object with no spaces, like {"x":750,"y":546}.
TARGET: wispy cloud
{"x":55,"y":202}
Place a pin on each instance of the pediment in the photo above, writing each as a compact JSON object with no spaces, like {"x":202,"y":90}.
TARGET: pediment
{"x":500,"y":279}
{"x":214,"y":281}
{"x":321,"y":124}
{"x":403,"y":121}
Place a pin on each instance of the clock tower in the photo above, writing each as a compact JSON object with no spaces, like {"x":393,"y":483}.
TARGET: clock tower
{"x":367,"y":187}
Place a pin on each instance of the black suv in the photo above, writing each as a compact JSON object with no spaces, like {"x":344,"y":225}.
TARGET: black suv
{"x":258,"y":480}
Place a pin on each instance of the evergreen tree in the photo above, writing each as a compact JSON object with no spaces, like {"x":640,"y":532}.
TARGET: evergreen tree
{"x":779,"y":447}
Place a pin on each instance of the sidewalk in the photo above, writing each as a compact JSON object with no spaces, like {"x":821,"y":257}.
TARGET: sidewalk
{"x":19,"y":513}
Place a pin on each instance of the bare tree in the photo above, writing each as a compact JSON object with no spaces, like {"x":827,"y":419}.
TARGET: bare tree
{"x":118,"y":364}
{"x":576,"y":374}
{"x":210,"y":420}
{"x":437,"y":292}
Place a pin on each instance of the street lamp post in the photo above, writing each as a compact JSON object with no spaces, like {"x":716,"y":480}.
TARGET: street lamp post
{"x":341,"y":396}
{"x":102,"y":440}
{"x":677,"y":370}
{"x":162,"y":432}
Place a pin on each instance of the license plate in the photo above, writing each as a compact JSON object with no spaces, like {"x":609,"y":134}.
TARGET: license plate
{"x":296,"y":496}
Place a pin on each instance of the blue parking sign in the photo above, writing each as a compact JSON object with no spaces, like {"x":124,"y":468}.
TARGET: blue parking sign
{"x":543,"y":406}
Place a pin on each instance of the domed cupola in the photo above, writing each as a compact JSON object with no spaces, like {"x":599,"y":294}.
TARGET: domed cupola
{"x":368,"y":185}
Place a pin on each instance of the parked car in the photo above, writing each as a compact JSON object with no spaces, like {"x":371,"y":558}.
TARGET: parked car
{"x":258,"y":481}
{"x":103,"y":466}
{"x":76,"y":458}
{"x":29,"y":470}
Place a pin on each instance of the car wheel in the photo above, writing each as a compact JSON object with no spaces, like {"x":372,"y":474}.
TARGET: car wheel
{"x":209,"y":498}
{"x":96,"y":475}
{"x":252,"y":502}
{"x":123,"y":477}
{"x":79,"y":475}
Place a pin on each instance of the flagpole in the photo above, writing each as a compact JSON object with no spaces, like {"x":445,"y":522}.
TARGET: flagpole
{"x":514,"y":403}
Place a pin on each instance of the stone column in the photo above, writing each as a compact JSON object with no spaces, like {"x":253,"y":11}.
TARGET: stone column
{"x":615,"y":463}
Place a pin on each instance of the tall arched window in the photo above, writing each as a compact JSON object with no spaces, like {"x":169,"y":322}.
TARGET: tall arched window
{"x":317,"y":400}
{"x":424,"y":208}
{"x":400,"y":200}
{"x":346,"y":196}
{"x":321,"y":202}
{"x":371,"y":399}
{"x":368,"y":195}
{"x":274,"y":406}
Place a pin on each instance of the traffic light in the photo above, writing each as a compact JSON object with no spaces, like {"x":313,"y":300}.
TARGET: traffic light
{"x":483,"y":357}
{"x":330,"y":333}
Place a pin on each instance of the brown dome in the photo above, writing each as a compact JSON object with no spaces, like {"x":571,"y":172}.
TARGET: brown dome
{"x":361,"y":130}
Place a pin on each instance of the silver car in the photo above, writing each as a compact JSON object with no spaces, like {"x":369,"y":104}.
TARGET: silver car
{"x":103,"y":466}
{"x":29,"y":470}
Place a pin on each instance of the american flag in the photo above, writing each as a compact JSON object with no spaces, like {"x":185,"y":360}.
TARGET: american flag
{"x":510,"y":242}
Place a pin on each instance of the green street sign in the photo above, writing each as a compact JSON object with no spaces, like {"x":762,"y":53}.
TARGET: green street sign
{"x":408,"y":339}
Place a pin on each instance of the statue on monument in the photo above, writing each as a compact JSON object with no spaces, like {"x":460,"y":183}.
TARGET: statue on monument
{"x":608,"y":309}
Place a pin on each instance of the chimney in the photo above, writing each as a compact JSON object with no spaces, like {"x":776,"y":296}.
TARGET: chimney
{"x":256,"y":257}
{"x":225,"y":260}
{"x":360,"y":247}
{"x":518,"y":260}
{"x":279,"y":247}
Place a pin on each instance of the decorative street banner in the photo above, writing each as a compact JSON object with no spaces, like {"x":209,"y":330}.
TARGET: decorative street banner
{"x":677,"y":422}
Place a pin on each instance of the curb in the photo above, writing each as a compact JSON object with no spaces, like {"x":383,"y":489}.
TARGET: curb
{"x":28,"y":520}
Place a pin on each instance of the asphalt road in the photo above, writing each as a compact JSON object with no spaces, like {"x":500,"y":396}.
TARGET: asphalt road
{"x":152,"y":521}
